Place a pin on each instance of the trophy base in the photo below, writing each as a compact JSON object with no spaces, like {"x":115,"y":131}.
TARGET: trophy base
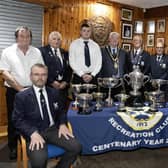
{"x":82,"y":111}
{"x":135,"y":101}
{"x":97,"y":109}
{"x":152,"y":110}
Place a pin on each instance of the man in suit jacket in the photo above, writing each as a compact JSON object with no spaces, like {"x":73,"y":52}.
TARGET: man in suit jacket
{"x":159,"y":63}
{"x":114,"y":60}
{"x":159,"y":66}
{"x":138,"y":56}
{"x":56,"y":59}
{"x":40,"y":118}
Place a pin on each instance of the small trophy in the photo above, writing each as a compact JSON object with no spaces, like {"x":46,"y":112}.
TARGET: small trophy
{"x":153,"y":96}
{"x":88,"y":87}
{"x":84,"y":99}
{"x":122,"y":99}
{"x":99,"y":103}
{"x":76,"y":88}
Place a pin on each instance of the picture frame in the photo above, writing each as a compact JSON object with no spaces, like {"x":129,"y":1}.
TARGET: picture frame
{"x":126,"y":14}
{"x":150,"y":40}
{"x":161,"y":25}
{"x":138,"y":27}
{"x":160,"y":39}
{"x":151,"y":26}
{"x":126,"y":46}
{"x":126,"y":31}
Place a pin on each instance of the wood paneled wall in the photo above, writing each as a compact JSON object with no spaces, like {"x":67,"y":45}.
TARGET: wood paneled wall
{"x":3,"y":112}
{"x":67,"y":17}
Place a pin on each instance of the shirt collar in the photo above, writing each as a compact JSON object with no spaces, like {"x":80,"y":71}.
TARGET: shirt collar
{"x":36,"y":89}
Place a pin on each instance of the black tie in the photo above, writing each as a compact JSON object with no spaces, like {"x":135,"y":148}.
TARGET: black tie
{"x":87,"y":54}
{"x":59,"y":64}
{"x":46,"y":120}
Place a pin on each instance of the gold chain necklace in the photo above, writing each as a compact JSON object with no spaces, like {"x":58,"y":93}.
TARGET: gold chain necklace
{"x":113,"y":57}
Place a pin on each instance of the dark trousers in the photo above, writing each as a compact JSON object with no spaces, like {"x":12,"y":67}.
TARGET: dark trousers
{"x":38,"y":158}
{"x":12,"y":135}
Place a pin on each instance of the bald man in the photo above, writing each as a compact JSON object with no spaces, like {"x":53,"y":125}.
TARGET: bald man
{"x":56,"y":59}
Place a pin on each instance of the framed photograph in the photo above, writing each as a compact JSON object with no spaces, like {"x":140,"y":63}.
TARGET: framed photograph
{"x":160,"y":39}
{"x":138,"y":27}
{"x":161,"y":26}
{"x":126,"y":31}
{"x":151,"y":27}
{"x":126,"y":46}
{"x":126,"y":14}
{"x":150,"y":40}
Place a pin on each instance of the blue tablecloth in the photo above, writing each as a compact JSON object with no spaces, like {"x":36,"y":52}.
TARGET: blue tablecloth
{"x":109,"y":130}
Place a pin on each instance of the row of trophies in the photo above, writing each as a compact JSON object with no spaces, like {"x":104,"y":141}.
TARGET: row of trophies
{"x":136,"y":79}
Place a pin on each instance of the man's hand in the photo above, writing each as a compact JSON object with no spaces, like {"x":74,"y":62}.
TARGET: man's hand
{"x":56,"y":85}
{"x":87,"y":78}
{"x":63,"y":130}
{"x":36,"y":142}
{"x":63,"y":85}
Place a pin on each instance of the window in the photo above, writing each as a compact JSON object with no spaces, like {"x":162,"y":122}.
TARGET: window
{"x":16,"y":13}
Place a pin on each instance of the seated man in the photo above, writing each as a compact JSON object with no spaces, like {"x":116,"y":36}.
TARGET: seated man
{"x":39,"y":117}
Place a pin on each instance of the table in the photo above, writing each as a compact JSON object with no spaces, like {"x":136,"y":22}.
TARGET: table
{"x":109,"y":130}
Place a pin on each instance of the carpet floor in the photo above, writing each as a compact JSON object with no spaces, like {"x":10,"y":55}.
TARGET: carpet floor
{"x":142,"y":158}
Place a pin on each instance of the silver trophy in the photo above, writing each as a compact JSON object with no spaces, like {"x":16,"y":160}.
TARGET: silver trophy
{"x":122,"y":99}
{"x":76,"y":88}
{"x":88,"y":87}
{"x":84,"y":99}
{"x":110,"y":83}
{"x":157,"y":83}
{"x":136,"y":79}
{"x":153,"y":96}
{"x":99,"y":103}
{"x":100,"y":83}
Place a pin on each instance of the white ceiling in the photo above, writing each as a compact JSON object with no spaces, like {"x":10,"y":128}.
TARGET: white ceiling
{"x":143,"y":3}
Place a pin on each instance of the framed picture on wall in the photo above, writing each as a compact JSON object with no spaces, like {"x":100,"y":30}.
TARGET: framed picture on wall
{"x":160,"y":39}
{"x":126,"y":14}
{"x":151,"y":27}
{"x":126,"y":31}
{"x":138,"y":27}
{"x":161,"y":25}
{"x":150,"y":40}
{"x":126,"y":46}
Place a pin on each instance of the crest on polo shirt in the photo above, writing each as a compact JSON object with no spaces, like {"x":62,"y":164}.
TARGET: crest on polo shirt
{"x":140,"y":118}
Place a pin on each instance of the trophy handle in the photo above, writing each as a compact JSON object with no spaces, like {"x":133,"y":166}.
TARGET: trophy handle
{"x":126,"y":77}
{"x":146,"y":79}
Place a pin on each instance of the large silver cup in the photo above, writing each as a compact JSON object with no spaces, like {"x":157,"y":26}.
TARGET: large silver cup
{"x":136,"y":79}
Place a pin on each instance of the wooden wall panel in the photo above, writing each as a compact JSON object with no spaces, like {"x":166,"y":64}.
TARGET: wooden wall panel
{"x":67,"y":17}
{"x":3,"y":113}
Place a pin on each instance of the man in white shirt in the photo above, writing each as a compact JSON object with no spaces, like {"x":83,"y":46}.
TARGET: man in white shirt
{"x":85,"y":57}
{"x":15,"y":64}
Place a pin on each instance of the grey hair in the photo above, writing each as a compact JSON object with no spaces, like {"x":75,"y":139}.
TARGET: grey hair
{"x":56,"y":33}
{"x":114,"y":34}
